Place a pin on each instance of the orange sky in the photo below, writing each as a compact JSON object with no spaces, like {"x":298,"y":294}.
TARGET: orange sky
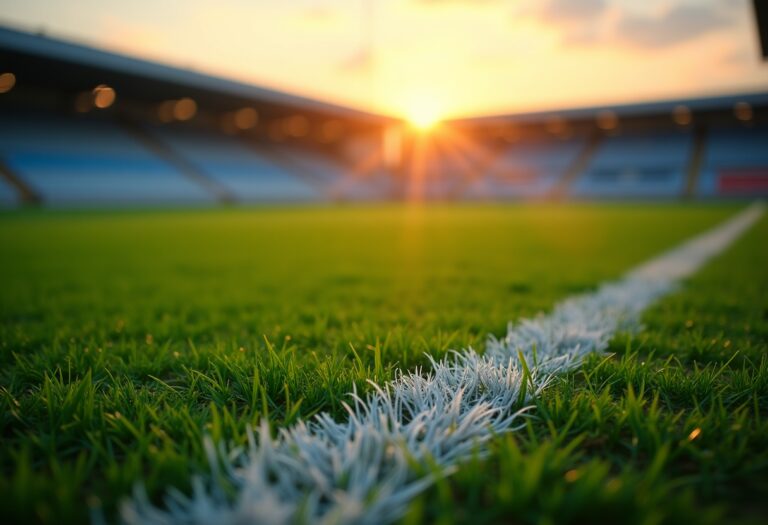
{"x":436,"y":57}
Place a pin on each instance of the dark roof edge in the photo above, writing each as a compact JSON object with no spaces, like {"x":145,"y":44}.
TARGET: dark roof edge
{"x":58,"y":49}
{"x":719,"y":102}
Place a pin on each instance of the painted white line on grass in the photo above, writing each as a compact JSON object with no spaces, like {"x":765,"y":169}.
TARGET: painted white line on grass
{"x":419,"y":426}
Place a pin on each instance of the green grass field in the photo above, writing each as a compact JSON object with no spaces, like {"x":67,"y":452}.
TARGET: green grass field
{"x":127,"y":336}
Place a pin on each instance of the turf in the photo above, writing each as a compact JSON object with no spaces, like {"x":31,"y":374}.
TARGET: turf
{"x":127,"y":336}
{"x":671,"y":427}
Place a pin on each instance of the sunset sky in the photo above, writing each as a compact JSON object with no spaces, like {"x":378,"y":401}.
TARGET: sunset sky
{"x":448,"y":57}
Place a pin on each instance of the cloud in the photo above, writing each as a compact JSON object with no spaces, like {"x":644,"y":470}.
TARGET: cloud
{"x":611,"y":21}
{"x":738,"y":58}
{"x":577,"y":21}
{"x":566,"y":11}
{"x":675,"y":25}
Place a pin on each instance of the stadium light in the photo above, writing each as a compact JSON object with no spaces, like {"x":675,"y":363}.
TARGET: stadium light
{"x":184,"y":109}
{"x":7,"y":81}
{"x":246,"y":118}
{"x":296,"y":126}
{"x":103,"y":96}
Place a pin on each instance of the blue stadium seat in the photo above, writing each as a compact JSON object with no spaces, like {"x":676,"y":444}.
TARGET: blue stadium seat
{"x":250,"y":175}
{"x":528,"y":168}
{"x":641,"y":165}
{"x":342,"y":181}
{"x":85,"y":161}
{"x":735,"y":163}
{"x":316,"y":165}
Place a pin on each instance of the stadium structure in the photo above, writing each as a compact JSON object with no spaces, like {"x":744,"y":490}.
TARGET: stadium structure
{"x":81,"y":126}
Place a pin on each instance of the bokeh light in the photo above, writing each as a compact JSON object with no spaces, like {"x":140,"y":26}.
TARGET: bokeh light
{"x":184,"y":109}
{"x":7,"y":81}
{"x":103,"y":96}
{"x":246,"y":118}
{"x":296,"y":126}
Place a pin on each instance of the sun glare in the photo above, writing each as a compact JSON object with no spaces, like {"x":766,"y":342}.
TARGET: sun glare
{"x":423,"y":120}
{"x":423,"y":112}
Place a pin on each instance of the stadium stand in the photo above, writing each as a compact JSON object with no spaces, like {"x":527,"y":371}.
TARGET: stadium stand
{"x":86,"y":161}
{"x":435,"y":175}
{"x":339,"y":181}
{"x":528,"y":168}
{"x":446,"y":177}
{"x":60,"y":144}
{"x":250,"y":175}
{"x":735,"y":163}
{"x":642,"y":165}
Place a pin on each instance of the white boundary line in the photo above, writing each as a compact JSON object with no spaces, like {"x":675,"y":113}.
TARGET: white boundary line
{"x":364,"y":470}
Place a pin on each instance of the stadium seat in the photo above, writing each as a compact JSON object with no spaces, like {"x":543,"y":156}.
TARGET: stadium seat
{"x":442,"y":176}
{"x":85,"y":161}
{"x":637,"y":165}
{"x":528,"y":168}
{"x":344,"y":183}
{"x":250,"y":175}
{"x":340,"y":182}
{"x":735,"y":163}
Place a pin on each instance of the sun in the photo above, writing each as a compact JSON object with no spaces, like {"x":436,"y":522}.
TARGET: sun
{"x":423,"y":119}
{"x":423,"y":112}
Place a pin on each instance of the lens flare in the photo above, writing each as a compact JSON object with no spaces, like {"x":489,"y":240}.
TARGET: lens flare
{"x":423,"y":119}
{"x":423,"y":111}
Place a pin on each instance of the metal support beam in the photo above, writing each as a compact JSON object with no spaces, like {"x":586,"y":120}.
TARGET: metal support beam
{"x":184,"y":166}
{"x":577,"y":167}
{"x":27,"y":194}
{"x":695,"y":160}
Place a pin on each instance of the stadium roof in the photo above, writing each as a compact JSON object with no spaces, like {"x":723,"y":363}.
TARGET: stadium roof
{"x":665,"y":107}
{"x":34,"y":51}
{"x":66,"y":65}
